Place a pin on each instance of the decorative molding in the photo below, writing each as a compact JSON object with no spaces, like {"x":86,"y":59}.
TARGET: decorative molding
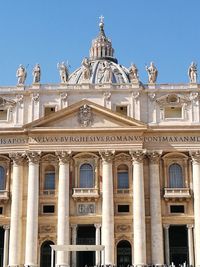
{"x":173,"y":99}
{"x":47,"y":228}
{"x":19,"y":99}
{"x":123,"y":228}
{"x":107,"y":95}
{"x":6,"y":103}
{"x":86,"y":208}
{"x":6,"y":227}
{"x":49,"y":158}
{"x":135,"y":95}
{"x":122,"y":157}
{"x":63,"y":96}
{"x":35,"y":97}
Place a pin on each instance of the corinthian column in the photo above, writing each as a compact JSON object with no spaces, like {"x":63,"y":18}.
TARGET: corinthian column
{"x":32,"y":210}
{"x":63,"y":207}
{"x":107,"y":207}
{"x":139,"y":230}
{"x":155,"y":208}
{"x":16,"y":211}
{"x":196,"y":189}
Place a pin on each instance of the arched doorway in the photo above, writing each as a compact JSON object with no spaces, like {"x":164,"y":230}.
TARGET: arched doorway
{"x":45,"y":254}
{"x":124,"y":256}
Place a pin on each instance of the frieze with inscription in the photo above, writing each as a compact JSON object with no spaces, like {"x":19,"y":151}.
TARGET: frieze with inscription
{"x":97,"y":139}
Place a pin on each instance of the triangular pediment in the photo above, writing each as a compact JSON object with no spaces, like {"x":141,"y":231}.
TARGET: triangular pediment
{"x":85,"y":115}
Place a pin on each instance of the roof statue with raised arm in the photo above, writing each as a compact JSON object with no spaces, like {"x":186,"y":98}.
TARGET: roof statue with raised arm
{"x":63,"y":71}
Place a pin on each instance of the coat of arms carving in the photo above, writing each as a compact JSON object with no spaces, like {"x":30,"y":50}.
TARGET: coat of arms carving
{"x":85,"y":116}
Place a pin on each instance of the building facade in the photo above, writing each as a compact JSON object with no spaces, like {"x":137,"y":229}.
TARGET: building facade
{"x":100,"y":158}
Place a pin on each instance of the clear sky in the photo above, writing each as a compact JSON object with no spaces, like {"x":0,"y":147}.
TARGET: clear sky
{"x":166,"y":32}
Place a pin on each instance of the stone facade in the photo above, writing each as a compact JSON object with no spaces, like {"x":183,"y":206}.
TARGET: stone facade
{"x":116,"y":156}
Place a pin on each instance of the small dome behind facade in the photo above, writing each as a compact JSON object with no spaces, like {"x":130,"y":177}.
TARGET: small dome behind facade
{"x":101,"y":67}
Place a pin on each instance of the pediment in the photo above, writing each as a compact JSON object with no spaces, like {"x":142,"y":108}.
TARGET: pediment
{"x":85,"y":115}
{"x":172,"y":99}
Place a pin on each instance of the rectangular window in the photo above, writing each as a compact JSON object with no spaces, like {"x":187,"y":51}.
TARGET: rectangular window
{"x":49,"y":110}
{"x":123,"y":208}
{"x":173,"y":112}
{"x":122,"y":109}
{"x":177,"y":209}
{"x":3,"y":114}
{"x":48,"y":209}
{"x":1,"y":210}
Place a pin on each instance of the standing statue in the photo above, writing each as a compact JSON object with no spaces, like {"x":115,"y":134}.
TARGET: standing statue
{"x":21,"y":75}
{"x":63,"y":71}
{"x":152,"y":73}
{"x":36,"y":73}
{"x":133,"y":73}
{"x":86,"y":69}
{"x":107,"y":73}
{"x":192,"y":72}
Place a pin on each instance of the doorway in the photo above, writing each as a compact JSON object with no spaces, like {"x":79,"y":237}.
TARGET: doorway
{"x":45,"y":254}
{"x":178,"y":244}
{"x":85,"y":236}
{"x":124,"y":257}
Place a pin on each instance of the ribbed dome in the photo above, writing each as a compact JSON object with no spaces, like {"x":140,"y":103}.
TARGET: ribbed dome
{"x":102,"y":71}
{"x":101,"y":67}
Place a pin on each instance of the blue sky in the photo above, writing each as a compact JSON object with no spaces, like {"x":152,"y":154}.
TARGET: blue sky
{"x":166,"y":32}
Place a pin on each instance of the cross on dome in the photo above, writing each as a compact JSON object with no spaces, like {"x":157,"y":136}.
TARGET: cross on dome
{"x":101,"y":19}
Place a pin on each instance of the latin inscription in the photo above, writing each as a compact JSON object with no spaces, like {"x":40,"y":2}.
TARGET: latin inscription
{"x":97,"y":139}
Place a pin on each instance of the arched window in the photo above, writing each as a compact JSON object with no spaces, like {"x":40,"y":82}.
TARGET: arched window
{"x":175,"y":176}
{"x":49,"y":179}
{"x":86,"y":176}
{"x":122,"y":177}
{"x":2,"y":178}
{"x":45,"y":254}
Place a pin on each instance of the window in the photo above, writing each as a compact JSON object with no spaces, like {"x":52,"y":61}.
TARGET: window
{"x":123,"y":208}
{"x":177,"y":209}
{"x":49,"y":110}
{"x":175,"y":176}
{"x":173,"y":112}
{"x":2,"y":179}
{"x":1,"y":210}
{"x":122,"y":177}
{"x":3,"y":114}
{"x":48,"y":209}
{"x":49,"y":180}
{"x":122,"y":109}
{"x":86,"y":176}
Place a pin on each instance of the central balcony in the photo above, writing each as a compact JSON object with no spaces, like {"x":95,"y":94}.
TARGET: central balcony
{"x":4,"y":195}
{"x":177,"y":193}
{"x":85,"y":193}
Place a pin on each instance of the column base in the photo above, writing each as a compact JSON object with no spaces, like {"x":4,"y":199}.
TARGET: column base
{"x":62,"y":265}
{"x":30,"y":265}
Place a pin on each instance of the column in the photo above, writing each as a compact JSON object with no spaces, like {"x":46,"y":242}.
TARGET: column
{"x":5,"y":249}
{"x":196,"y":189}
{"x":63,"y":207}
{"x":74,"y":236}
{"x":139,"y":229}
{"x":107,"y":207}
{"x":31,"y":246}
{"x":16,"y":211}
{"x":155,"y":209}
{"x":190,"y":245}
{"x":166,"y":232}
{"x":98,"y":242}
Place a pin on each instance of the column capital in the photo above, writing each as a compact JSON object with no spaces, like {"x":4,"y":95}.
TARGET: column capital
{"x":74,"y":226}
{"x":107,"y":155}
{"x":63,"y":156}
{"x":97,"y":225}
{"x":166,"y":226}
{"x":154,"y":156}
{"x":6,"y":227}
{"x":17,"y":158}
{"x":190,"y":226}
{"x":195,"y":155}
{"x":33,"y":156}
{"x":137,"y":155}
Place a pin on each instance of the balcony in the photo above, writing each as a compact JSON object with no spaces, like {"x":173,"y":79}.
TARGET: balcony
{"x":4,"y":195}
{"x":49,"y":192}
{"x":85,"y":193}
{"x":177,"y":193}
{"x":123,"y":191}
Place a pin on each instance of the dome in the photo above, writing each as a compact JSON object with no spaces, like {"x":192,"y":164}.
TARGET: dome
{"x":101,"y":66}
